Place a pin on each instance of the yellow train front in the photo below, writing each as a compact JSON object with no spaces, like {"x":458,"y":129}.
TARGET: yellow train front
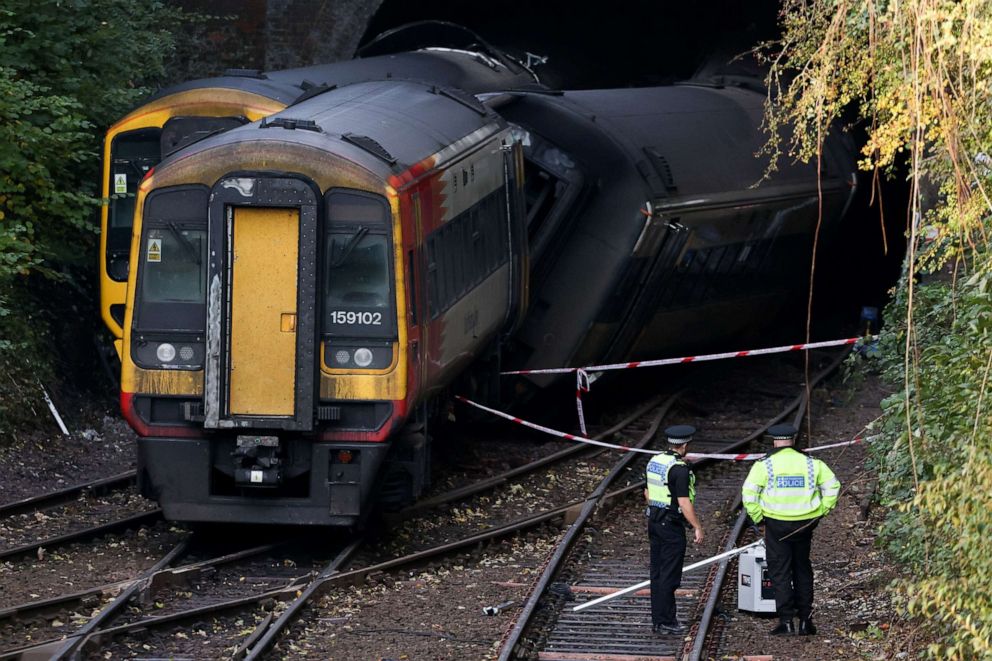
{"x":183,"y":113}
{"x":302,"y":289}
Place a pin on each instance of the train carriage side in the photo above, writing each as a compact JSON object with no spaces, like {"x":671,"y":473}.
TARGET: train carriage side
{"x":180,"y":114}
{"x":672,"y":242}
{"x":290,"y":309}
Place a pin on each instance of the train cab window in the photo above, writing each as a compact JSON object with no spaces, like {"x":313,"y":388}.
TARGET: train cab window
{"x":132,"y":154}
{"x":172,"y":291}
{"x":358,"y":270}
{"x":174,"y":258}
{"x":359,"y":298}
{"x":180,"y":132}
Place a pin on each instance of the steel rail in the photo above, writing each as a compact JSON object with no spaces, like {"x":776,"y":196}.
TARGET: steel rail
{"x":706,"y":620}
{"x":92,"y":531}
{"x":502,"y":478}
{"x":699,"y":639}
{"x":76,"y":640}
{"x":272,"y":629}
{"x":68,"y":493}
{"x":800,"y":402}
{"x":163,"y":576}
{"x":589,"y":506}
{"x":323,"y":585}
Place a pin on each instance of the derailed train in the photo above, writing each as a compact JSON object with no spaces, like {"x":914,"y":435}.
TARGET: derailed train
{"x":302,"y":287}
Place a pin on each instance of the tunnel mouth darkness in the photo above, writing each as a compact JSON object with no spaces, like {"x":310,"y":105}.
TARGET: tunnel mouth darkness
{"x":650,"y":43}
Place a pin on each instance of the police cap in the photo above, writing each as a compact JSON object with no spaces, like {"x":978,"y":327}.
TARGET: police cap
{"x":680,"y":434}
{"x":783,"y":432}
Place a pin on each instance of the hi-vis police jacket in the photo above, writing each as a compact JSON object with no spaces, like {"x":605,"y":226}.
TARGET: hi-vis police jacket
{"x":787,"y":485}
{"x":657,"y":479}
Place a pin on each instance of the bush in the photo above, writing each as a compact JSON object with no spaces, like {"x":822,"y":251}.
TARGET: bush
{"x":67,"y":70}
{"x":917,"y":75}
{"x":935,"y":461}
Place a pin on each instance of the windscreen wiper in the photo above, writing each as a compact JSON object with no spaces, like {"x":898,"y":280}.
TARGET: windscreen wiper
{"x":352,"y":244}
{"x":184,"y":242}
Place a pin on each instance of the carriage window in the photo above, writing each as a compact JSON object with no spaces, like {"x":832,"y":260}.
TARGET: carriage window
{"x":466,"y":250}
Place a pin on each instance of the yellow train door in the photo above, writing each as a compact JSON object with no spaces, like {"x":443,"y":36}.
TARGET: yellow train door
{"x":263,"y":314}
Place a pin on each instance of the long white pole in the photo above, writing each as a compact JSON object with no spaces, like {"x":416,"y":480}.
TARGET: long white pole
{"x":702,"y":563}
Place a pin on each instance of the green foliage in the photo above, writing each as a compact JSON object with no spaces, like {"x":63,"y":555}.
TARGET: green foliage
{"x":935,"y":459}
{"x":916,"y":75}
{"x":67,"y":70}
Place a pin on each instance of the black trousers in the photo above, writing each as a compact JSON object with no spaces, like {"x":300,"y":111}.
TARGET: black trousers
{"x":789,"y":566}
{"x":667,"y":537}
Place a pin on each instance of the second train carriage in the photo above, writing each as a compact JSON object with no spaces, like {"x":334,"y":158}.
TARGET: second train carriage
{"x":302,"y":285}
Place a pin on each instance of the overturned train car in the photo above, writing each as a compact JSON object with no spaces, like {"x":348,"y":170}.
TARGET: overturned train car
{"x":652,"y":226}
{"x":301,"y":286}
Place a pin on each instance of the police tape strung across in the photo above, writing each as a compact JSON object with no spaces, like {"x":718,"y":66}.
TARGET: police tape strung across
{"x":752,"y":456}
{"x":696,"y":359}
{"x":584,"y":380}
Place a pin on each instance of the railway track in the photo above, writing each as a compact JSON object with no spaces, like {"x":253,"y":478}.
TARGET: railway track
{"x":52,"y":498}
{"x":156,"y":622}
{"x":106,"y":626}
{"x":26,"y":525}
{"x":620,"y":630}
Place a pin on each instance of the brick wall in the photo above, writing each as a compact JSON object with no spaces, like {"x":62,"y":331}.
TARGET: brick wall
{"x":271,"y":34}
{"x":304,"y":32}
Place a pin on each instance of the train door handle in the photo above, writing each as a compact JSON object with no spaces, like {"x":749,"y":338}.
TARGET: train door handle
{"x":287,"y":322}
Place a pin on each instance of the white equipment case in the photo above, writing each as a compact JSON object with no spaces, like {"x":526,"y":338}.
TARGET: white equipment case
{"x":754,"y":587}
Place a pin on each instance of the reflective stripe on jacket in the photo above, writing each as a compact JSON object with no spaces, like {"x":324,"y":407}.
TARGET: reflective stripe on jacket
{"x":657,"y":478}
{"x":789,"y":486}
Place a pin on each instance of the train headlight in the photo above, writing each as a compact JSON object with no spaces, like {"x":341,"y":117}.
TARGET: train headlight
{"x":186,"y":353}
{"x":165,"y":352}
{"x":342,"y":357}
{"x":363,"y":357}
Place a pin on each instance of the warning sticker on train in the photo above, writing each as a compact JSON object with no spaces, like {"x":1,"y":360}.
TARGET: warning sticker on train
{"x":120,"y":184}
{"x":154,"y":250}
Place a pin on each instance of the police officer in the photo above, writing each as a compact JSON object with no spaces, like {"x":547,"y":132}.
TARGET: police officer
{"x":670,"y":495}
{"x":790,"y":492}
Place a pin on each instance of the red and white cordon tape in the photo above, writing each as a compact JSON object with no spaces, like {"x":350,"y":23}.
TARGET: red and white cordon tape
{"x":583,"y":380}
{"x":751,"y":456}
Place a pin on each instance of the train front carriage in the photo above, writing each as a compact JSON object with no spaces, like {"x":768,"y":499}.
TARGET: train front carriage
{"x":181,"y":114}
{"x":302,"y":286}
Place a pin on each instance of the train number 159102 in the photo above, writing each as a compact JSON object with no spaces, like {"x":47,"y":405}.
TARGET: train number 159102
{"x":353,"y":318}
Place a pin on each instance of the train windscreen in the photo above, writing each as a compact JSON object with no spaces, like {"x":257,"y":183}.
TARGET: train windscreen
{"x":171,"y":293}
{"x":359,"y":300}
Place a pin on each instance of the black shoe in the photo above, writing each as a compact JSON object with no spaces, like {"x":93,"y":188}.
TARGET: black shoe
{"x":784,"y":627}
{"x":670,"y":629}
{"x":806,"y":627}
